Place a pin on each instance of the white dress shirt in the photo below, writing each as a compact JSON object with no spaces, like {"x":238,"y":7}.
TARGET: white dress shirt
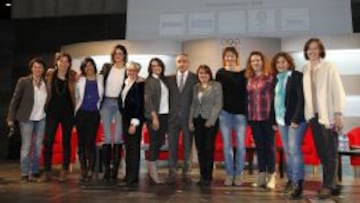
{"x":38,"y":110}
{"x":178,"y":77}
{"x":114,"y":82}
{"x":164,"y":98}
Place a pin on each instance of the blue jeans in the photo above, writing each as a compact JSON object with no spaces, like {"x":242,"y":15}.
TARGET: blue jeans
{"x":32,"y":134}
{"x":108,"y":112}
{"x":237,"y":122}
{"x":292,"y":140}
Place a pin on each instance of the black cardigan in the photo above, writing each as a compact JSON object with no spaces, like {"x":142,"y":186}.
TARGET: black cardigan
{"x":294,"y":98}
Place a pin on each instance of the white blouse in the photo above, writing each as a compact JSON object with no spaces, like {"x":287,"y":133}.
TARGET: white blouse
{"x":114,"y":82}
{"x":38,"y":110}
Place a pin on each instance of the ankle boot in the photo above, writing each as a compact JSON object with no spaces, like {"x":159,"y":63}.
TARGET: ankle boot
{"x":106,"y":158}
{"x":297,"y":190}
{"x":116,"y":161}
{"x":288,"y":187}
{"x":63,"y":175}
{"x":83,"y":177}
{"x":153,"y":172}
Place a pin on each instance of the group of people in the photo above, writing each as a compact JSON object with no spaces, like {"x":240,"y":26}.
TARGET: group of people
{"x":267,"y":96}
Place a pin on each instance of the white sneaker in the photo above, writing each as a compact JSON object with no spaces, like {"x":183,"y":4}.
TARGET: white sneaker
{"x":228,"y":180}
{"x":238,"y":180}
{"x":271,"y":181}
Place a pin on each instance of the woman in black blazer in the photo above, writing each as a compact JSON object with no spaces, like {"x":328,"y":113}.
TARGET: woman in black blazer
{"x":289,"y":116}
{"x":131,"y":104}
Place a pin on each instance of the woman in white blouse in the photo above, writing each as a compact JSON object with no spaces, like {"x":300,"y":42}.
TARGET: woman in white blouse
{"x":28,"y":108}
{"x":114,"y":76}
{"x":156,"y":113}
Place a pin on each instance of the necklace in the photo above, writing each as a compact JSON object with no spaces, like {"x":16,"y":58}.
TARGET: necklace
{"x":203,"y":87}
{"x":62,"y":91}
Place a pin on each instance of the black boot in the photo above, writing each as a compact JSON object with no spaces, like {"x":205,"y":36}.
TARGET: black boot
{"x":116,"y":161}
{"x":288,"y":187}
{"x":83,"y":166}
{"x":297,"y":190}
{"x":83,"y":177}
{"x":337,"y":190}
{"x":107,"y":158}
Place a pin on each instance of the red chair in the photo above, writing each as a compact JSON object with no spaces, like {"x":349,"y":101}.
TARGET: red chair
{"x":57,"y":157}
{"x":354,"y":142}
{"x":218,"y":149}
{"x":309,"y":150}
{"x":279,"y":146}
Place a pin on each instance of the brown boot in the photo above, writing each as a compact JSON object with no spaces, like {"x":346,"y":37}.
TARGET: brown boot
{"x":46,"y":177}
{"x":63,"y":175}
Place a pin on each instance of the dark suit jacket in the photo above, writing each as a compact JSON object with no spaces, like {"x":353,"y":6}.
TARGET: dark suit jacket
{"x":180,"y":102}
{"x":294,"y":99}
{"x":22,"y":101}
{"x":134,"y":102}
{"x":152,"y":95}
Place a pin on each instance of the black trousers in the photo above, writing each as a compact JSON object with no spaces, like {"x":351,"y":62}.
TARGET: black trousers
{"x":157,"y":137}
{"x":87,"y":125}
{"x":205,"y":144}
{"x":264,"y":137}
{"x":52,"y":123}
{"x":132,"y":146}
{"x":326,"y":143}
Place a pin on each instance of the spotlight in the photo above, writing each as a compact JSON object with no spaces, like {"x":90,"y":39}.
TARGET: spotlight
{"x":8,"y":4}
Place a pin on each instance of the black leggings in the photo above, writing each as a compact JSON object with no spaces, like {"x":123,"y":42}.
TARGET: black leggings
{"x":52,"y":123}
{"x":87,"y":125}
{"x":205,"y":145}
{"x":264,"y":137}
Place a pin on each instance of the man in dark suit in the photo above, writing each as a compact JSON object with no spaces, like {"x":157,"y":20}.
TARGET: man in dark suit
{"x":180,"y":96}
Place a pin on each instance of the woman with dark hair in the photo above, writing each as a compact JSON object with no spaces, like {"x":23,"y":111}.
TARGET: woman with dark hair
{"x":289,"y":112}
{"x":260,"y":89}
{"x":206,"y":105}
{"x":114,"y":77}
{"x":233,"y":115}
{"x":89,"y":93}
{"x":27,"y":106}
{"x":131,"y":105}
{"x":324,"y":104}
{"x":60,"y":110}
{"x":156,"y":113}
